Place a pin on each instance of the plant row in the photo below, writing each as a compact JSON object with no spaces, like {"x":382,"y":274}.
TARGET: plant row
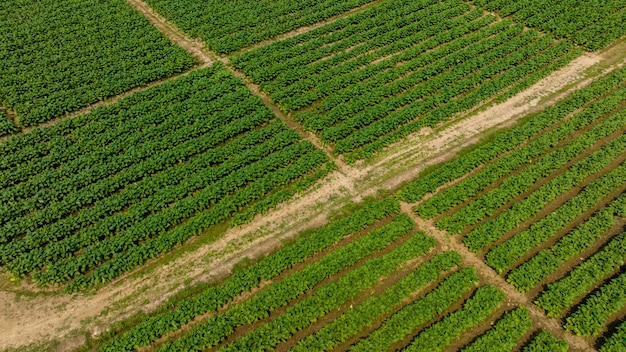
{"x":59,"y":57}
{"x":375,"y":85}
{"x":507,"y":141}
{"x":546,"y":342}
{"x":229,"y":27}
{"x":529,"y":153}
{"x":505,"y":333}
{"x":268,"y":268}
{"x":505,"y":254}
{"x":493,"y":229}
{"x":511,"y":187}
{"x":440,"y":335}
{"x":560,"y":295}
{"x":364,"y":314}
{"x":215,"y":329}
{"x":428,"y":307}
{"x":593,"y":24}
{"x":326,"y":299}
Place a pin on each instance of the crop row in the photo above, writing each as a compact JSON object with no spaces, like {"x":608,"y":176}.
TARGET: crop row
{"x":325,"y":300}
{"x":220,"y":211}
{"x":244,"y":280}
{"x":505,"y":333}
{"x":493,"y":229}
{"x":6,"y":125}
{"x":593,"y":24}
{"x":505,"y":254}
{"x":227,"y":27}
{"x":213,"y":330}
{"x":509,"y":140}
{"x":529,"y":153}
{"x":560,"y":295}
{"x":476,"y":309}
{"x":59,"y":57}
{"x":590,"y":318}
{"x":404,"y":322}
{"x":178,"y":158}
{"x":365,"y":313}
{"x":546,"y":342}
{"x":617,"y":341}
{"x":408,"y":73}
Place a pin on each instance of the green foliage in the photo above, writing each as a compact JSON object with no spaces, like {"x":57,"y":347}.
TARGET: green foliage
{"x":369,"y":79}
{"x":506,"y":253}
{"x":130,"y":181}
{"x":215,"y":329}
{"x":505,"y":334}
{"x":365,"y":313}
{"x":226,"y":27}
{"x":60,"y":56}
{"x":546,"y":342}
{"x":561,"y":294}
{"x":617,"y":341}
{"x":593,"y":24}
{"x":438,"y":336}
{"x":527,"y":154}
{"x":328,"y":298}
{"x":509,"y":140}
{"x":591,"y":317}
{"x":6,"y":125}
{"x":402,"y":323}
{"x":268,"y":268}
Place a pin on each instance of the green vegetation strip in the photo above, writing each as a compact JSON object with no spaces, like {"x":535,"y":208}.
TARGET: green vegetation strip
{"x":428,"y":307}
{"x":441,"y":334}
{"x":328,"y":298}
{"x":59,"y":56}
{"x":544,"y":263}
{"x":487,"y":204}
{"x":591,"y":317}
{"x":474,"y":184}
{"x":505,"y":254}
{"x":617,"y":341}
{"x":244,"y":280}
{"x":365,"y":313}
{"x":561,"y":294}
{"x":546,"y":342}
{"x":493,"y":229}
{"x":505,"y":334}
{"x":215,"y":329}
{"x":509,"y":140}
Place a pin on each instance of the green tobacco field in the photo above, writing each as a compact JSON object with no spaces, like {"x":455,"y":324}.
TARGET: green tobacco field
{"x":354,"y":175}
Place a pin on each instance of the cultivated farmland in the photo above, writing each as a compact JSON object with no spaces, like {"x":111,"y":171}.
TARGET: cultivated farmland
{"x":57,"y":57}
{"x":593,"y":24}
{"x":366,"y":282}
{"x":370,"y":79}
{"x":354,"y":175}
{"x":544,"y":205}
{"x":179,"y":158}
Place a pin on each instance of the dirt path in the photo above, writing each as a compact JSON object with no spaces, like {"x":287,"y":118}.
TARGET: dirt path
{"x":488,"y":275}
{"x":36,"y":317}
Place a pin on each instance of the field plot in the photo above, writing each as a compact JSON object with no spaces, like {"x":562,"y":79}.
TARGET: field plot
{"x":59,"y":56}
{"x":226,"y":27}
{"x":365,"y":282}
{"x":593,"y":24}
{"x":94,"y":196}
{"x":372,"y":78}
{"x":545,"y":204}
{"x":6,"y":125}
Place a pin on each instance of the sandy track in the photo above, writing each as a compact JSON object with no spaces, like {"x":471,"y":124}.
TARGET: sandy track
{"x":26,"y":319}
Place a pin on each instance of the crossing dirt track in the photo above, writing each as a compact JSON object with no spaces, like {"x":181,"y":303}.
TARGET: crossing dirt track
{"x":349,"y":175}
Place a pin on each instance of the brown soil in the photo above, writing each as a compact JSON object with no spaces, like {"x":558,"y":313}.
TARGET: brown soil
{"x":489,"y":276}
{"x":30,"y":316}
